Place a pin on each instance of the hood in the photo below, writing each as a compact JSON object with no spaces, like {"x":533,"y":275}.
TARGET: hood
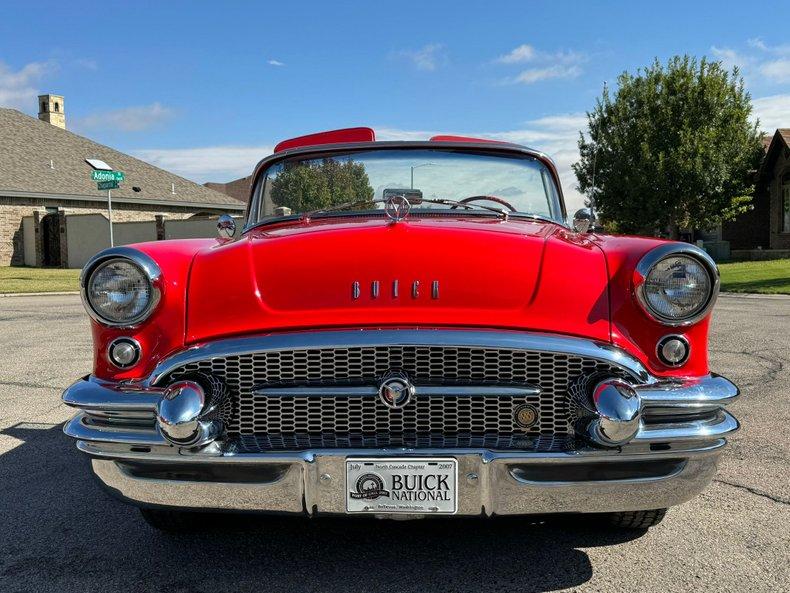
{"x":426,"y":272}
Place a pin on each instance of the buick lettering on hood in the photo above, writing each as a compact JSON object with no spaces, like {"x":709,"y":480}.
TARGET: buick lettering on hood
{"x":402,"y":329}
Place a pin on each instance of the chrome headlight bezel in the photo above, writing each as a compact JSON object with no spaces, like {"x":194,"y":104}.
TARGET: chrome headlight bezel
{"x":656,"y":256}
{"x":147,"y":266}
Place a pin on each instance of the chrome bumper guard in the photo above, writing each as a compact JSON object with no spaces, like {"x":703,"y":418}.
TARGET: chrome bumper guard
{"x":671,"y":458}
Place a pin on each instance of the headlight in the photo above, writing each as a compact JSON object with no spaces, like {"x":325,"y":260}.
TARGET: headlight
{"x":677,"y":285}
{"x":120,"y":287}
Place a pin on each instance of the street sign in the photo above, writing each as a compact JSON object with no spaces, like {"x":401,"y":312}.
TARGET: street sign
{"x":107,"y":184}
{"x":107,"y":175}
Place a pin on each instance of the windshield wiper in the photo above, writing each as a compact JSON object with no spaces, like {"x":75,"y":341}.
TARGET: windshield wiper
{"x":441,"y":201}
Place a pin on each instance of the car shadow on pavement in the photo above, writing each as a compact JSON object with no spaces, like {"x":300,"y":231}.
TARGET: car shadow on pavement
{"x":60,"y":532}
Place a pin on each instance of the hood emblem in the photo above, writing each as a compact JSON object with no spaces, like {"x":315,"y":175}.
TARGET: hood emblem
{"x":395,"y":390}
{"x":397,"y":208}
{"x":375,"y":289}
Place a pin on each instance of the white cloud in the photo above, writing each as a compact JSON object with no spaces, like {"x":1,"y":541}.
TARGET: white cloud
{"x":776,"y":70}
{"x":427,"y":58}
{"x":770,"y":63}
{"x":127,"y":119}
{"x":773,"y":112}
{"x":18,"y":89}
{"x":522,"y":53}
{"x":533,"y":75}
{"x":211,"y":163}
{"x":275,"y":63}
{"x":731,"y":58}
{"x":546,"y":65}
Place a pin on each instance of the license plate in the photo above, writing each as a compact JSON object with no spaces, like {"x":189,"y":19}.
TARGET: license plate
{"x":401,"y":485}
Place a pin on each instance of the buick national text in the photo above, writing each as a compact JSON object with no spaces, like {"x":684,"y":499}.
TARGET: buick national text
{"x":402,"y":329}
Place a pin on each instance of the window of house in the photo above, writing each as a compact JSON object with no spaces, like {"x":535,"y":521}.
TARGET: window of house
{"x":57,"y":106}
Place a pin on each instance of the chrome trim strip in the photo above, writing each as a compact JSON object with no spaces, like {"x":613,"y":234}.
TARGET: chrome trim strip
{"x":373,"y":391}
{"x":691,"y":395}
{"x":705,"y":430}
{"x":721,"y":425}
{"x":404,"y":337}
{"x":96,"y":396}
{"x":81,"y":428}
{"x":318,"y":391}
{"x":123,"y":451}
{"x":661,"y":252}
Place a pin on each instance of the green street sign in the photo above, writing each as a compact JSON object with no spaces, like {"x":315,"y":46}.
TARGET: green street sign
{"x":107,"y":175}
{"x":108,"y":184}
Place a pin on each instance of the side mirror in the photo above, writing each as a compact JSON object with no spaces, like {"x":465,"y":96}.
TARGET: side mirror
{"x":583,"y":220}
{"x":226,"y":227}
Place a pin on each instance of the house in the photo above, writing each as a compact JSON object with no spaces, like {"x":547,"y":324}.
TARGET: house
{"x":238,"y":189}
{"x":44,"y":179}
{"x":767,"y":225}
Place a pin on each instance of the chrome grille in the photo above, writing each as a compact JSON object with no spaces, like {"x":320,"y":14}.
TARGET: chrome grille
{"x":275,"y":422}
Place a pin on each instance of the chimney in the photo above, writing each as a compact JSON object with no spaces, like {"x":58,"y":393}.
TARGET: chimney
{"x":51,"y":110}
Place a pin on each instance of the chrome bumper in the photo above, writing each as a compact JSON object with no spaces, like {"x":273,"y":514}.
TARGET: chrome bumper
{"x":671,"y":459}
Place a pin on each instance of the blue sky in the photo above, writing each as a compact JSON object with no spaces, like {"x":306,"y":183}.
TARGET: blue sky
{"x":205,"y":89}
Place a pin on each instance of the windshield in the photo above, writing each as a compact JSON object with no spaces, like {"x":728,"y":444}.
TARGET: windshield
{"x":519,"y":183}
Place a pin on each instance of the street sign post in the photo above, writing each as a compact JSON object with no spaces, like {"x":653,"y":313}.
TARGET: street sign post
{"x":107,"y":175}
{"x":108,"y":185}
{"x":108,"y":179}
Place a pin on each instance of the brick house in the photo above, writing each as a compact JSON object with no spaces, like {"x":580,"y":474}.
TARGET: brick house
{"x":767,"y":225}
{"x":239,"y":189}
{"x":43,"y":175}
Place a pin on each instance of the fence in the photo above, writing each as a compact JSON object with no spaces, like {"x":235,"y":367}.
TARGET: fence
{"x":81,"y":236}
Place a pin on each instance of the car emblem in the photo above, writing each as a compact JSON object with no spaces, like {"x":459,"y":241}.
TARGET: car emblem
{"x":396,"y":390}
{"x":397,"y":208}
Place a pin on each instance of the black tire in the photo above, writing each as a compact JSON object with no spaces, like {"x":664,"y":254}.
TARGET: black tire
{"x":636,"y":519}
{"x":172,"y":521}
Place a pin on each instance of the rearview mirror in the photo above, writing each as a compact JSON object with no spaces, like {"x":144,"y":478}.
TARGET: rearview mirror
{"x":583,"y":220}
{"x":226,"y":227}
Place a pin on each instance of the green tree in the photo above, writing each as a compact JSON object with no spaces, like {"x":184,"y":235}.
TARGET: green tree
{"x":312,"y":185}
{"x":674,"y":148}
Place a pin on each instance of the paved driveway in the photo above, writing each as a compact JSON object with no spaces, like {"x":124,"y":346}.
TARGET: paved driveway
{"x":60,"y":532}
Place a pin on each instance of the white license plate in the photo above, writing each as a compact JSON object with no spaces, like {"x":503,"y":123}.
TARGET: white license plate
{"x":404,"y":485}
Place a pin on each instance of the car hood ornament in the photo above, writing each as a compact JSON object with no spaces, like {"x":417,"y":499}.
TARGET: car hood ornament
{"x":397,"y":208}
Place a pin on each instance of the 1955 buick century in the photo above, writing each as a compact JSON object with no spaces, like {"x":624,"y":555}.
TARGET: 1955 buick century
{"x":402,"y":329}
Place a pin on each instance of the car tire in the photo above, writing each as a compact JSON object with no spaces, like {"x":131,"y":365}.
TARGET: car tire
{"x":636,"y":519}
{"x":172,"y":521}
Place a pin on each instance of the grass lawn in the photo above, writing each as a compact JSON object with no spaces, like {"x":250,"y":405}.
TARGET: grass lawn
{"x":13,"y":279}
{"x":766,"y":277}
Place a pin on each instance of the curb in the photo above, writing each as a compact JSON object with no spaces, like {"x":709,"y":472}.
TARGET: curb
{"x":754,"y":295}
{"x":31,"y":294}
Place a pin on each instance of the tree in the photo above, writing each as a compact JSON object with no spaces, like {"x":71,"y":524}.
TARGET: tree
{"x":674,"y":148}
{"x":311,"y":185}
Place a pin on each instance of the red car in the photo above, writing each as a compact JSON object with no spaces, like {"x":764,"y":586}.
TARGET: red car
{"x":402,"y":328}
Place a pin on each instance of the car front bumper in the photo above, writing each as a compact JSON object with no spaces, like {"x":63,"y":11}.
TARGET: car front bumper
{"x":669,"y":461}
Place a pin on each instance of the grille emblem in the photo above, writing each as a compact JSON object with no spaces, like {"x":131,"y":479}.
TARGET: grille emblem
{"x":526,"y":415}
{"x":396,"y":390}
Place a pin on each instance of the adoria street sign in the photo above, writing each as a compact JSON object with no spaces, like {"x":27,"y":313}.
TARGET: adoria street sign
{"x":108,"y":184}
{"x":107,"y":175}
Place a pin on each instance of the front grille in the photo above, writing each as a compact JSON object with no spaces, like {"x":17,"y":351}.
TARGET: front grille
{"x":277,"y":422}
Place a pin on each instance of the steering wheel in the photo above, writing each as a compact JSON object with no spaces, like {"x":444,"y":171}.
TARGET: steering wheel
{"x":499,"y":201}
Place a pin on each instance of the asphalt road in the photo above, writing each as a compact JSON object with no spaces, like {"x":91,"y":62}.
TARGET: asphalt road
{"x":60,"y":532}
